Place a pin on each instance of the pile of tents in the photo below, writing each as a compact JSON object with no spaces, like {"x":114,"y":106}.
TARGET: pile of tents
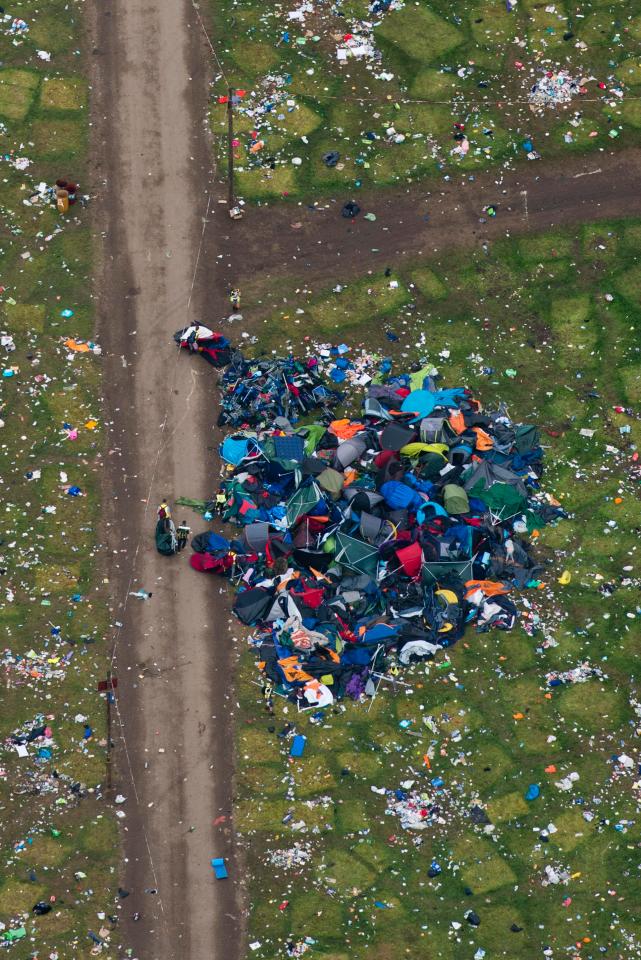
{"x":254,"y":392}
{"x":370,"y":542}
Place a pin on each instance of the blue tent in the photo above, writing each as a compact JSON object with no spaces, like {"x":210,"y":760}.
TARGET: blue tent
{"x":237,"y":448}
{"x":423,"y":402}
{"x":398,"y":496}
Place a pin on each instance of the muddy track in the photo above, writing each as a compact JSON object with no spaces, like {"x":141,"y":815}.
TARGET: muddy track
{"x":315,"y":243}
{"x":173,"y":654}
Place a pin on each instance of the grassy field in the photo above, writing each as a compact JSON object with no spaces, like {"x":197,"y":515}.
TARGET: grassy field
{"x":58,"y":839}
{"x":390,"y":113}
{"x":550,"y":324}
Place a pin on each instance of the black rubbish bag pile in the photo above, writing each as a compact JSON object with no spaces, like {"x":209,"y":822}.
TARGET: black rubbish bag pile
{"x":370,"y":543}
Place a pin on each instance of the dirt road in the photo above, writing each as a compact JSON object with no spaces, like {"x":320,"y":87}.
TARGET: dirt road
{"x":313,"y":242}
{"x":173,"y":654}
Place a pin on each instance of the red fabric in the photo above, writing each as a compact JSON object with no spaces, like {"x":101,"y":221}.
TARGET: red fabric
{"x":208,"y":564}
{"x":403,"y":535}
{"x":315,"y":524}
{"x":311,"y":596}
{"x":383,"y":458}
{"x":411,"y":558}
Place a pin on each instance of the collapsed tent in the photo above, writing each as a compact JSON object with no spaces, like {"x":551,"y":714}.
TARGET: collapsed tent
{"x":374,"y":540}
{"x":166,"y":540}
{"x":258,"y":392}
{"x":212,"y":347}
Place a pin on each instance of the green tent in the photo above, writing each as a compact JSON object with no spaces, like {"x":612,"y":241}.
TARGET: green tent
{"x":503,"y":500}
{"x":356,"y":554}
{"x":443,"y":569}
{"x":526,"y":438}
{"x":312,"y":434}
{"x":417,"y":378}
{"x":301,"y":502}
{"x":455,"y":499}
{"x":331,"y":481}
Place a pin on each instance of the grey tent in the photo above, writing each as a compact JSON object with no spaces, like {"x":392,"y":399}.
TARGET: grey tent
{"x":282,"y":608}
{"x":455,"y":499}
{"x":348,"y":451}
{"x":252,"y":605}
{"x":256,"y":536}
{"x":331,"y":481}
{"x":359,"y":499}
{"x":395,"y":436}
{"x":486,"y":474}
{"x":312,"y":466}
{"x":301,"y":502}
{"x":436,"y":430}
{"x":460,"y":455}
{"x":356,"y":554}
{"x":419,"y":649}
{"x":375,"y":530}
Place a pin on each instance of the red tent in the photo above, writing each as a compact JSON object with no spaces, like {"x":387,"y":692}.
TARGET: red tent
{"x":411,"y":559}
{"x":208,"y":564}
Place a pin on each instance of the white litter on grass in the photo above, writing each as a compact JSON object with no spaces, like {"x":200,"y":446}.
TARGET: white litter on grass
{"x":555,"y":874}
{"x":296,"y":856}
{"x":554,"y":88}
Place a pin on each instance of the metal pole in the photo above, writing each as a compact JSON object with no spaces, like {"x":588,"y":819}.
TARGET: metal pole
{"x":230,"y":147}
{"x":109,"y":696}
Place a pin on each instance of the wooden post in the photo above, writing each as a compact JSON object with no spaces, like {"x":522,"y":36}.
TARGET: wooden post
{"x":109,"y":698}
{"x":230,"y":148}
{"x":107,"y":687}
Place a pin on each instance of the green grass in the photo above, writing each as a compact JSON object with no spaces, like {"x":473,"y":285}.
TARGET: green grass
{"x":49,"y":557}
{"x":565,"y":342}
{"x":17,"y":91}
{"x":63,"y":93}
{"x":437,"y":64}
{"x":419,"y":33}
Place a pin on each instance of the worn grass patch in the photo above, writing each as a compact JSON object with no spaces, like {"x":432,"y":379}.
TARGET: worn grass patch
{"x":58,"y":139}
{"x":429,"y":285}
{"x":419,"y":33}
{"x":63,"y":93}
{"x":488,"y":875}
{"x":17,"y":93}
{"x":508,"y":807}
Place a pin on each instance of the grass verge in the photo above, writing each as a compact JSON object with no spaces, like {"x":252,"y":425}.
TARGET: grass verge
{"x":58,"y":840}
